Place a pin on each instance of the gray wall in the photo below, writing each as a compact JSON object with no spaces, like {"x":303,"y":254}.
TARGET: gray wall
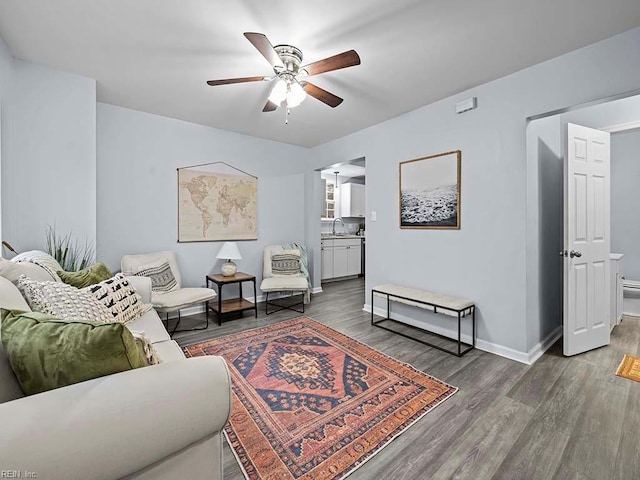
{"x":545,"y":213}
{"x":487,"y":259}
{"x":625,"y":202}
{"x":490,"y":260}
{"x":7,"y":74}
{"x":49,"y":178}
{"x":138,"y":154}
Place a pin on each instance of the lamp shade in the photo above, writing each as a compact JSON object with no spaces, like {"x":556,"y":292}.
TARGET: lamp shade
{"x":229,"y":251}
{"x":279,"y":92}
{"x":295,"y":95}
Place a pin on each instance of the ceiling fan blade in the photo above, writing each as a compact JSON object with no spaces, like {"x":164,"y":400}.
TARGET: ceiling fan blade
{"x":269,"y":106}
{"x":321,"y":94}
{"x":262,"y":43}
{"x":228,"y":81}
{"x":342,"y":60}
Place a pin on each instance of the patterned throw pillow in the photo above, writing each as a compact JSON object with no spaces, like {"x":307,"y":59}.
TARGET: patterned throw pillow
{"x":285,"y":263}
{"x":162,"y":278}
{"x":42,"y":259}
{"x":119,"y":297}
{"x":145,"y":346}
{"x":63,"y":301}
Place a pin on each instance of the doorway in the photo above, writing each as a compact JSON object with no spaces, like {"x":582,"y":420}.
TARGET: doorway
{"x":545,"y":203}
{"x":342,"y":220}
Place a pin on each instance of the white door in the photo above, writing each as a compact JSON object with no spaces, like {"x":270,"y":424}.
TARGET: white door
{"x":586,"y":240}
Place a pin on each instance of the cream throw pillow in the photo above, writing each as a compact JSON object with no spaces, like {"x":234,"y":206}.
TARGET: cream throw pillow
{"x":162,"y":278}
{"x":114,"y":300}
{"x":63,"y":301}
{"x":120,"y":298}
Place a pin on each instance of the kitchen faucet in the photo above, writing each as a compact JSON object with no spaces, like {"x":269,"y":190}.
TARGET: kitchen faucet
{"x":333,"y":231}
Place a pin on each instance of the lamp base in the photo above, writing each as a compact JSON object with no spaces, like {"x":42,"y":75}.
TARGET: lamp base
{"x":229,"y":269}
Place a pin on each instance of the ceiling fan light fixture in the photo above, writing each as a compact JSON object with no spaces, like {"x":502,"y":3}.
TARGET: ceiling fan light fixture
{"x":295,"y":94}
{"x":286,"y":61}
{"x":279,"y":92}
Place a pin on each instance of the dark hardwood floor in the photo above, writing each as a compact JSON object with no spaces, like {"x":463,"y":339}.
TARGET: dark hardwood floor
{"x":562,"y":418}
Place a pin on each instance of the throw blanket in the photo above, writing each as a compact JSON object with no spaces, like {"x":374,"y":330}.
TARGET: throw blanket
{"x":304,"y":265}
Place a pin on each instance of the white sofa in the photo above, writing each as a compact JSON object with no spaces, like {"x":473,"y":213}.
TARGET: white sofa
{"x":159,"y":422}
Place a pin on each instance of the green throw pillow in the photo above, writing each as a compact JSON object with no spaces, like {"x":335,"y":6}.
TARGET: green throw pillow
{"x":47,"y":353}
{"x":96,"y":273}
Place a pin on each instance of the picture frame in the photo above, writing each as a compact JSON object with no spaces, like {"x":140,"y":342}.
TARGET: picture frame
{"x":216,"y":202}
{"x":429,"y":192}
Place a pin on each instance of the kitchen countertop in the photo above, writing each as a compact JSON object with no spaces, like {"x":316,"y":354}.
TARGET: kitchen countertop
{"x":334,"y":237}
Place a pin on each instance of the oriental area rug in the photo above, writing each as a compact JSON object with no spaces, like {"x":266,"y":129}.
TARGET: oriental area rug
{"x":629,"y":368}
{"x":312,"y":403}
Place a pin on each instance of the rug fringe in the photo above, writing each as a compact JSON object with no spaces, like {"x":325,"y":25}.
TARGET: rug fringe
{"x":404,"y":430}
{"x":226,"y":437}
{"x":619,"y":369}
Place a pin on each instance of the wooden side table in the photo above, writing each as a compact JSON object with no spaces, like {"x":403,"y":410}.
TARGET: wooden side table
{"x":230,"y":305}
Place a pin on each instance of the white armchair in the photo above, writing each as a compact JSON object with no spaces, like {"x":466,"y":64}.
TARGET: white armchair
{"x":177,"y":298}
{"x":288,"y":286}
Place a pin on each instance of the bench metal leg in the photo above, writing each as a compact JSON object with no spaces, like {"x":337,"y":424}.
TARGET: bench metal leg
{"x":372,"y":308}
{"x":459,"y":352}
{"x":459,"y":334}
{"x":473,"y":321}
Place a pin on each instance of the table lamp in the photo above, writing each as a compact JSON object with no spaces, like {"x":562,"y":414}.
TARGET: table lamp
{"x":229,"y":252}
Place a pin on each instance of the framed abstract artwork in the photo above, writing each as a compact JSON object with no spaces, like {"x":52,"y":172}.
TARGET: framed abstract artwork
{"x":430,"y":191}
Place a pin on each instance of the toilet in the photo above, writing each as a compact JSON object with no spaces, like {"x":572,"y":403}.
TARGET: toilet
{"x":631,"y":299}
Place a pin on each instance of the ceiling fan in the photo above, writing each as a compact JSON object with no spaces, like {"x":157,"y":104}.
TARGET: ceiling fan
{"x":291,"y":88}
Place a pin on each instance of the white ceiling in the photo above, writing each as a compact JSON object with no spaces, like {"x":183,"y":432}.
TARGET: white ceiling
{"x":345,"y":170}
{"x":155,"y":55}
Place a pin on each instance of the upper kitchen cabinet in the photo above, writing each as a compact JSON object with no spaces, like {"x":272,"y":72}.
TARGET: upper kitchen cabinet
{"x":352,"y":200}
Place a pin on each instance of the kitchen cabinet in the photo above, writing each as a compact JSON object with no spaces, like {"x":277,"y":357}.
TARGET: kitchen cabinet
{"x":352,"y":200}
{"x":341,"y":257}
{"x":617,"y":288}
{"x":354,"y":259}
{"x":326,"y":252}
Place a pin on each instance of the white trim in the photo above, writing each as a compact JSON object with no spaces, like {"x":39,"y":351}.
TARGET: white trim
{"x":623,"y":127}
{"x":545,"y":344}
{"x":523,"y":357}
{"x":316,"y":290}
{"x":185,"y":312}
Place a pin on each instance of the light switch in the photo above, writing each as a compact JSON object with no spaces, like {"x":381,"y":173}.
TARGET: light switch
{"x":374,"y":216}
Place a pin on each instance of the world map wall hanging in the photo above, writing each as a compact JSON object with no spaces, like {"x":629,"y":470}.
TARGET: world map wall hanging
{"x":216,"y":202}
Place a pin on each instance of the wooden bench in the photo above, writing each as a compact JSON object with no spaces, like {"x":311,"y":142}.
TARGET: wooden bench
{"x":446,"y":305}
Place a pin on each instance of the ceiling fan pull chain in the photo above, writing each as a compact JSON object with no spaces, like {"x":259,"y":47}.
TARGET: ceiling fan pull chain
{"x":286,"y":115}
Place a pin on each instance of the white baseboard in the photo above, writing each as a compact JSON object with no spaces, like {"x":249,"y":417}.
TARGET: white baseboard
{"x":523,"y":357}
{"x":537,"y":351}
{"x":185,"y":312}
